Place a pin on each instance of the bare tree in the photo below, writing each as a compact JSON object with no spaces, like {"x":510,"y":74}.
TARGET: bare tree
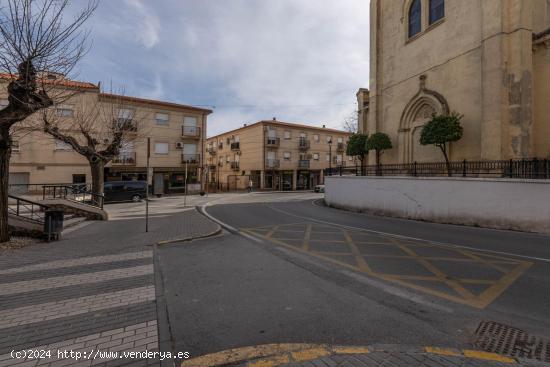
{"x":350,"y":123}
{"x":35,"y":40}
{"x":102,"y":127}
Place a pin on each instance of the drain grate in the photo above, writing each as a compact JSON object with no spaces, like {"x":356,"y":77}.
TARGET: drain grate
{"x":507,"y":340}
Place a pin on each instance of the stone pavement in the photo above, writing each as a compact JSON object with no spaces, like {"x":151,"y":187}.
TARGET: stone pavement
{"x":92,"y":293}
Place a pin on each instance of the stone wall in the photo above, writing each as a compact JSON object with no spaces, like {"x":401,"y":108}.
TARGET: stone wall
{"x":494,"y":203}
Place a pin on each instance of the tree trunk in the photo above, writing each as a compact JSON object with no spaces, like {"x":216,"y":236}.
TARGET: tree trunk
{"x":5,"y":154}
{"x":378,"y":168}
{"x":447,"y":163}
{"x":97,"y":168}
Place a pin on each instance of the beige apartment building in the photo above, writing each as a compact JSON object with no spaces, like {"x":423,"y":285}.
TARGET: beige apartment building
{"x":275,"y":155}
{"x":176,"y":133}
{"x":488,"y":60}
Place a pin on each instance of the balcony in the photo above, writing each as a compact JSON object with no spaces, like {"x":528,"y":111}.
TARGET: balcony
{"x":340,"y":147}
{"x":338,"y":162}
{"x":235,"y":146}
{"x":272,"y":163}
{"x":125,"y":159}
{"x":191,"y":132}
{"x":212,"y":150}
{"x":303,"y":163}
{"x":303,"y":144}
{"x":272,"y":142}
{"x":126,"y":124}
{"x":235,"y":166}
{"x":190,"y":158}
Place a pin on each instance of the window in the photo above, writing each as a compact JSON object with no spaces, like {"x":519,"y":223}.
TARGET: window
{"x":79,"y":178}
{"x":162,"y":118}
{"x":340,"y":140}
{"x":316,"y":156}
{"x":350,"y":158}
{"x":228,"y":159}
{"x":287,"y":134}
{"x":161,"y":148}
{"x":303,"y":135}
{"x":286,"y":156}
{"x":415,"y":18}
{"x":316,"y":138}
{"x":64,"y":111}
{"x":329,"y":139}
{"x":125,"y":114}
{"x":437,"y":10}
{"x":190,"y":121}
{"x":3,"y":103}
{"x":327,"y":157}
{"x":15,"y":146}
{"x":61,"y":145}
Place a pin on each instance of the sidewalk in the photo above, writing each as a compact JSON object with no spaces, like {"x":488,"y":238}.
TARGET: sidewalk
{"x":314,"y":355}
{"x":94,"y":290}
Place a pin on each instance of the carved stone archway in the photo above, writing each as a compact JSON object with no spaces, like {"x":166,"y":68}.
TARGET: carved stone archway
{"x":418,"y":111}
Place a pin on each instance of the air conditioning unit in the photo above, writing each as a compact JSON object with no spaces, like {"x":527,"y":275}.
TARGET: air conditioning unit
{"x":179,"y":145}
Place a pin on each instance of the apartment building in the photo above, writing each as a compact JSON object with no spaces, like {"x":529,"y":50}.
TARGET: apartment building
{"x":176,"y":133}
{"x":275,"y":155}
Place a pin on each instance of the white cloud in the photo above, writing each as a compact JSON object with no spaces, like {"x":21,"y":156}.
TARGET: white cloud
{"x":300,"y":61}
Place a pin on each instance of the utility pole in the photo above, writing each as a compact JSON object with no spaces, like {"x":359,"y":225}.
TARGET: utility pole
{"x":147,"y":187}
{"x":330,"y":157}
{"x":185,"y":195}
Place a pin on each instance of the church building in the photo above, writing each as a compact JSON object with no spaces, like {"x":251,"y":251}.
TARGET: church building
{"x":488,"y":60}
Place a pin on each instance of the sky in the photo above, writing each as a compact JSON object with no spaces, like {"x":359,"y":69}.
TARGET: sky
{"x":248,"y":60}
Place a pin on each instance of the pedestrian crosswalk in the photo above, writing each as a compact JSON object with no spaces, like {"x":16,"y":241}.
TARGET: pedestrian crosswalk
{"x":57,"y":313}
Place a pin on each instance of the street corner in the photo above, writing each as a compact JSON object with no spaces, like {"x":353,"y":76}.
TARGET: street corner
{"x":272,"y":355}
{"x":456,"y":274}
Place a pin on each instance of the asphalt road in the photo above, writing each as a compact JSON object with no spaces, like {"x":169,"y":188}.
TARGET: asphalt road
{"x":311,"y":274}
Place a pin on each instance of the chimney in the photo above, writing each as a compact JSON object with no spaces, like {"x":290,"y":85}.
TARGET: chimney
{"x":245,"y":125}
{"x":324,"y":126}
{"x":274,"y":118}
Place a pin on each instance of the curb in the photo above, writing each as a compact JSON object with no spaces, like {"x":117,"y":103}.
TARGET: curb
{"x":271,"y":355}
{"x":215,"y":232}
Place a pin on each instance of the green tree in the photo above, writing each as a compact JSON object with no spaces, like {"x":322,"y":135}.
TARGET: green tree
{"x":379,"y":142}
{"x":357,"y":147}
{"x":440,"y":131}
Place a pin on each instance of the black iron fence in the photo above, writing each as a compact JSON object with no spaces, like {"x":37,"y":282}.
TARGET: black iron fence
{"x":513,"y":168}
{"x":78,"y":194}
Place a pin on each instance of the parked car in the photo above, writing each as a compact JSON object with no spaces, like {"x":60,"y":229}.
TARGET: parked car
{"x":117,"y":191}
{"x":319,"y":188}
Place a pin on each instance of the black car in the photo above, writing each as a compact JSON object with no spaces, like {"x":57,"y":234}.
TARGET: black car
{"x":125,"y":190}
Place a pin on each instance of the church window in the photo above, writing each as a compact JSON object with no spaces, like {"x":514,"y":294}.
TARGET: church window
{"x":437,"y":10}
{"x":415,"y":18}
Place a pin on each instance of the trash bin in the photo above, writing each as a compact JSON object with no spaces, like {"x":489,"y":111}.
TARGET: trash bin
{"x":53,"y":223}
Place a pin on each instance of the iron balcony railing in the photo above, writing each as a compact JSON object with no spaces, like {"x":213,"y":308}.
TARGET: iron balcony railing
{"x":272,"y":142}
{"x":513,"y":168}
{"x":272,"y":163}
{"x":303,"y":144}
{"x":212,"y":150}
{"x":190,"y":158}
{"x":235,"y":146}
{"x":303,"y":163}
{"x":191,"y":131}
{"x":235,"y":166}
{"x":340,"y":147}
{"x":79,"y":194}
{"x":125,"y":159}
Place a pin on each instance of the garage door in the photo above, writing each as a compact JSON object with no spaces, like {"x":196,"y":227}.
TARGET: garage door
{"x":19,"y":183}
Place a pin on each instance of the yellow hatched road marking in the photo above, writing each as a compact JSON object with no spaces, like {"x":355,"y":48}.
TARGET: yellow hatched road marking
{"x":443,"y":351}
{"x":309,"y":354}
{"x":487,"y":356}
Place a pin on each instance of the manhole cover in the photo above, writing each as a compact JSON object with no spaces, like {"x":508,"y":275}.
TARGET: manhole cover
{"x":507,"y":340}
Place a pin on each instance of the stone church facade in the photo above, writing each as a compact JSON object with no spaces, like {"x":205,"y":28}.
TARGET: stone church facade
{"x":488,"y":60}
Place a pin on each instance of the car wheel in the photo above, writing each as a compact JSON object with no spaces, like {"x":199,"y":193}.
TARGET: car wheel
{"x":136,"y":198}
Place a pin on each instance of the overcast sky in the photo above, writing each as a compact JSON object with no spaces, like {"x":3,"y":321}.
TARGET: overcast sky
{"x":297,"y":60}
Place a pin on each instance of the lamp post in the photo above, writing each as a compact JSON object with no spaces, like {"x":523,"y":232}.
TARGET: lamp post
{"x":330,"y":157}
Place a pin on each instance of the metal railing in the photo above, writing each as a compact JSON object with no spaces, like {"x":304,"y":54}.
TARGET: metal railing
{"x":27,"y":209}
{"x":235,"y":166}
{"x":303,"y":144}
{"x":191,"y":131}
{"x":272,"y":142}
{"x":236,"y":145}
{"x":125,"y":159}
{"x":303,"y":163}
{"x":37,"y":189}
{"x":73,"y":193}
{"x":212,"y":150}
{"x":272,"y":163}
{"x":513,"y":168}
{"x":190,"y":158}
{"x":340,"y":147}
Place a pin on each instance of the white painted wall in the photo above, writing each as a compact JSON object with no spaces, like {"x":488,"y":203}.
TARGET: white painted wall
{"x":494,"y":203}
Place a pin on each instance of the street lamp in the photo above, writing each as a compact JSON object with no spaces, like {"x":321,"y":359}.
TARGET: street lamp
{"x":330,"y":157}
